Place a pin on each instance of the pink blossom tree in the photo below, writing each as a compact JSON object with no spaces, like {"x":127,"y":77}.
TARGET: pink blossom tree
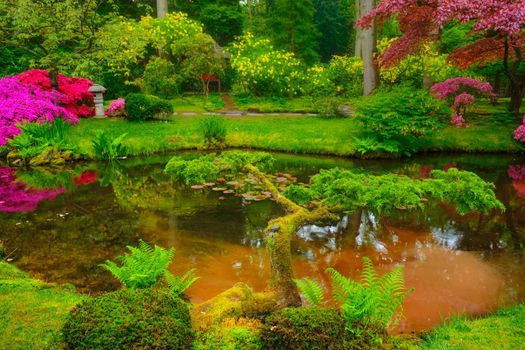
{"x":500,"y":22}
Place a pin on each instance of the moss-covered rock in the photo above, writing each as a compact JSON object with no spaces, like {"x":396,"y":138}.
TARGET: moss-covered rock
{"x":130,"y":319}
{"x":305,"y":328}
{"x":231,"y":334}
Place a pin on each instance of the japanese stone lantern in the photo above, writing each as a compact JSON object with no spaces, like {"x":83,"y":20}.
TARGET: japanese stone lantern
{"x":98,"y":92}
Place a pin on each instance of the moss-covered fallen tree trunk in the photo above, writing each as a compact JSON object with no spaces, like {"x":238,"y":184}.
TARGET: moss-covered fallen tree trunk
{"x":279,"y":233}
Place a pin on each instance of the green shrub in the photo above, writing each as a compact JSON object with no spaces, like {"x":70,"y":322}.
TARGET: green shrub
{"x":402,"y":114}
{"x":141,"y":107}
{"x":305,"y":328}
{"x":160,"y":78}
{"x":195,"y":171}
{"x":143,"y":267}
{"x":106,"y":148}
{"x":214,"y":131}
{"x":299,"y":194}
{"x":234,"y":161}
{"x":129,"y":319}
{"x":234,"y":336}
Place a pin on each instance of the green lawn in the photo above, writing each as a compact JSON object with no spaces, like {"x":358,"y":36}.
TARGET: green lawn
{"x":303,"y":134}
{"x":32,"y":312}
{"x":504,"y":330}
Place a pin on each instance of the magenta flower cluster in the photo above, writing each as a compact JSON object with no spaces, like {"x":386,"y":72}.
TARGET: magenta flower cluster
{"x":519,"y":133}
{"x":516,"y":172}
{"x":21,"y":103}
{"x":17,"y":197}
{"x":117,"y":108}
{"x":462,"y":91}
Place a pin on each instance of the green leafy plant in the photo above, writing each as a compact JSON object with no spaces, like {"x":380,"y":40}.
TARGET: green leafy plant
{"x":129,"y":319}
{"x":141,"y":107}
{"x":213,"y":129}
{"x":195,"y":171}
{"x":311,"y":290}
{"x":402,"y":114}
{"x":178,"y":285}
{"x":160,"y":78}
{"x":106,"y":148}
{"x":143,"y":267}
{"x":377,"y":300}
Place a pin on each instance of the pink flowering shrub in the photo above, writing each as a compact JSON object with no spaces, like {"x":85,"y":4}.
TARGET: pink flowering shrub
{"x":516,"y":172}
{"x":460,"y":91}
{"x":519,"y":133}
{"x":74,"y":91}
{"x":17,"y":197}
{"x":21,"y":103}
{"x":117,"y":108}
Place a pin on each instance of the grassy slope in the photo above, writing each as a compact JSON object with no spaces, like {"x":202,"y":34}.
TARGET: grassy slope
{"x":32,"y":312}
{"x":504,"y":330}
{"x":294,"y":134}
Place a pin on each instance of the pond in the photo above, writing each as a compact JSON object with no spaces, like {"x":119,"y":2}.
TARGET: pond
{"x":60,"y":225}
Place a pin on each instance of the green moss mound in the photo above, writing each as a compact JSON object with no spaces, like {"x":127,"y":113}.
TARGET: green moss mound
{"x":141,"y":107}
{"x":309,"y":328}
{"x":130,"y":319}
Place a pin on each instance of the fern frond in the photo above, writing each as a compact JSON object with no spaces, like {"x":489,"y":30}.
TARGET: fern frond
{"x":178,"y":285}
{"x":311,"y":290}
{"x":368,"y":275}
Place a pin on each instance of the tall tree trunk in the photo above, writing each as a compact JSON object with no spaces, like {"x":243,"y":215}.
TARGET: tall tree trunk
{"x":368,"y":47}
{"x":358,"y":31}
{"x":517,"y":92}
{"x":162,"y":8}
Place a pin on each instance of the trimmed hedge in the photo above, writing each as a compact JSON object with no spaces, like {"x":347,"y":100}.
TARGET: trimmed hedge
{"x":141,"y":107}
{"x":130,"y":319}
{"x":309,"y":328}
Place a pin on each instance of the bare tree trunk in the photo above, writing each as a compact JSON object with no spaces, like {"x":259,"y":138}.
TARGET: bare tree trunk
{"x":358,"y":31}
{"x":368,"y":47}
{"x":53,"y":78}
{"x":162,"y":8}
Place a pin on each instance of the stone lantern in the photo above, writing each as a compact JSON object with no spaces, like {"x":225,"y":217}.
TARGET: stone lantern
{"x":98,"y":91}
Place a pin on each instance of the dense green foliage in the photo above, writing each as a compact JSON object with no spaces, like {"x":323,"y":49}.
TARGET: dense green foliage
{"x":399,"y":115}
{"x":208,"y":167}
{"x":214,"y":131}
{"x":311,"y":328}
{"x":106,"y":148}
{"x":142,"y":267}
{"x":386,"y":193}
{"x":241,"y":334}
{"x":141,"y":107}
{"x":160,"y":78}
{"x":129,"y":319}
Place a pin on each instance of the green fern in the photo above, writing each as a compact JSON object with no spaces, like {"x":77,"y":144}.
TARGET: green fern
{"x":178,"y":285}
{"x":311,"y":290}
{"x":377,"y":300}
{"x":106,"y":148}
{"x":141,"y":268}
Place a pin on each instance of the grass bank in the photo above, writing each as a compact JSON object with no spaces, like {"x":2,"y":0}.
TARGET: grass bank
{"x":503,"y":330}
{"x":301,"y":134}
{"x":32,"y":312}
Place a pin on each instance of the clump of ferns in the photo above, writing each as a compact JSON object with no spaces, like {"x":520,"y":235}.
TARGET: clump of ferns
{"x":145,"y":266}
{"x":376,"y":302}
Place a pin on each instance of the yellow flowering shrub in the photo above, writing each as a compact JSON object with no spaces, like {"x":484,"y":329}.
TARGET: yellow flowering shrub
{"x":414,"y":67}
{"x":262,"y":70}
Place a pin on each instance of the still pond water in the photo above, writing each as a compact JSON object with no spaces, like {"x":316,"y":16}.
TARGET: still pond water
{"x":60,"y":226}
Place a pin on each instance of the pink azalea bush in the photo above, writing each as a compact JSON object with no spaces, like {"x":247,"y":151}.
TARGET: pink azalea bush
{"x":21,"y":103}
{"x":75,"y":96}
{"x":117,"y":108}
{"x":519,"y":133}
{"x":461,"y":91}
{"x":516,"y":172}
{"x":17,"y":197}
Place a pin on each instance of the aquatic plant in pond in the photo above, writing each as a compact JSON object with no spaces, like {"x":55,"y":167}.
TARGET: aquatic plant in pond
{"x":17,"y":197}
{"x":21,"y":103}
